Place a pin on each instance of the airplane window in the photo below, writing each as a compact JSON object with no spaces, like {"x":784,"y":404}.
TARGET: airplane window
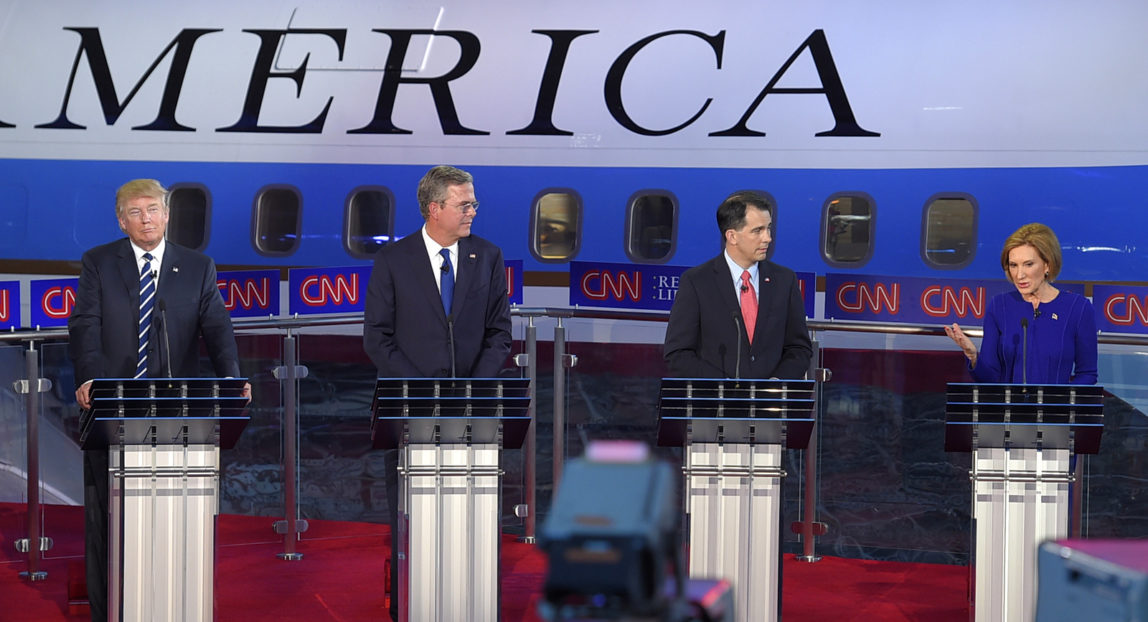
{"x":368,"y":221}
{"x":847,"y":230}
{"x":651,"y":226}
{"x":950,"y":231}
{"x":189,"y":215}
{"x":556,"y":225}
{"x":278,"y":218}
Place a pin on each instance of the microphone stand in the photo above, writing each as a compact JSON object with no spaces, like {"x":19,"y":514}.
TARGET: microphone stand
{"x":450,"y":337}
{"x":737,"y":365}
{"x":1024,"y":350}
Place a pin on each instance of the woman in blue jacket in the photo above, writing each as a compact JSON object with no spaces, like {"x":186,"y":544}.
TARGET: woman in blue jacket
{"x":1057,"y":328}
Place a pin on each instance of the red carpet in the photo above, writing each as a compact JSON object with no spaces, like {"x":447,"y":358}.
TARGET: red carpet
{"x":340,"y":577}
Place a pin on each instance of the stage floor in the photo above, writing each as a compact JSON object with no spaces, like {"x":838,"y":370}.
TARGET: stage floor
{"x":340,"y":577}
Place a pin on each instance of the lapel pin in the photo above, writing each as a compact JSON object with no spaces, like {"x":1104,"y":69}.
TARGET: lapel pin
{"x":473,"y":256}
{"x":175,"y":268}
{"x":1054,"y":317}
{"x":767,"y":279}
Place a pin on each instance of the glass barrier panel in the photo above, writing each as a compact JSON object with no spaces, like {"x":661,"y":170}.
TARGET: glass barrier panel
{"x":1115,"y":505}
{"x":13,"y":428}
{"x":251,"y":480}
{"x":61,"y":459}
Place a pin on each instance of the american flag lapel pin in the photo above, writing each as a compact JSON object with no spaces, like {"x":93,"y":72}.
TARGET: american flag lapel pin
{"x":1054,"y":317}
{"x":175,"y":268}
{"x":472,"y":256}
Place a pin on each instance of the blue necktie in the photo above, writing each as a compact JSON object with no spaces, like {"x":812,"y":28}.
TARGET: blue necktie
{"x":147,"y":300}
{"x":446,"y":289}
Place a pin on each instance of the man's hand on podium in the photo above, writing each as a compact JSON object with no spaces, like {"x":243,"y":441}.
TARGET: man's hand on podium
{"x":84,"y":394}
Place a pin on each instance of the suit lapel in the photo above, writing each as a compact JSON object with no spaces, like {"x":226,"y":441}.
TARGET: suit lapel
{"x":765,"y":295}
{"x":419,"y":264}
{"x":723,"y":280}
{"x":129,"y":272}
{"x":168,"y":271}
{"x":465,"y":274}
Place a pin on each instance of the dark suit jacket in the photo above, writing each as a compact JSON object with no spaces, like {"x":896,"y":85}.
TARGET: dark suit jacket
{"x":104,"y":323}
{"x":405,"y":327}
{"x":702,"y":336}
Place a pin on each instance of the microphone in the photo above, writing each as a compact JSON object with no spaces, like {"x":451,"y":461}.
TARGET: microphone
{"x":450,"y":341}
{"x":744,"y":288}
{"x":1036,"y":312}
{"x":444,"y":268}
{"x":163,"y":324}
{"x":737,"y":366}
{"x":1024,"y":350}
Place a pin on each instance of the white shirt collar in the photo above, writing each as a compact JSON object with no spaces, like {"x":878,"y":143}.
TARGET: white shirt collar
{"x":156,"y":254}
{"x":433,"y":250}
{"x":736,"y":271}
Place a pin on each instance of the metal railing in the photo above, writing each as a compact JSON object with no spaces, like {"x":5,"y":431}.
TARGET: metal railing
{"x":290,"y":373}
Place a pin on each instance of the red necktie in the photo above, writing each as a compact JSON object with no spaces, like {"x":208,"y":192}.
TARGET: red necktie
{"x":748,"y":305}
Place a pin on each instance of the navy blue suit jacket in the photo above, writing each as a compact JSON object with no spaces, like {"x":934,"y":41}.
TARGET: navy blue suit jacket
{"x":405,"y":326}
{"x":104,"y":323}
{"x":703,"y":335}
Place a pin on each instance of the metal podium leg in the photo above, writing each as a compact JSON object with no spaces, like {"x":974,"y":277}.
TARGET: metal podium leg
{"x":164,"y":501}
{"x":452,"y":495}
{"x":734,"y":502}
{"x":1020,"y":499}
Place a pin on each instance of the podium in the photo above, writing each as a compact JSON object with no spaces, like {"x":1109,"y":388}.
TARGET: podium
{"x":733,"y":433}
{"x":1022,"y":438}
{"x":450,"y":433}
{"x":163,"y":437}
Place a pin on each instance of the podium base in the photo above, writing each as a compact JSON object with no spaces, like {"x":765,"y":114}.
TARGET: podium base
{"x":734,"y":503}
{"x":163,"y":505}
{"x":1020,"y":499}
{"x":450,"y":498}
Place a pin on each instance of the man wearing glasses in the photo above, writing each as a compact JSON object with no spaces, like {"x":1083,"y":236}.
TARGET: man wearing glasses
{"x":436,"y":305}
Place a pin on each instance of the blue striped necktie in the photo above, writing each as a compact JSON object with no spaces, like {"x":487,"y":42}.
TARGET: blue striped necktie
{"x":446,"y":287}
{"x":147,"y":300}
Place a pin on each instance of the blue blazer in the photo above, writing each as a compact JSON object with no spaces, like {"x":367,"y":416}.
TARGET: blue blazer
{"x":405,"y":327}
{"x":1060,"y":337}
{"x":103,"y":327}
{"x":702,"y":337}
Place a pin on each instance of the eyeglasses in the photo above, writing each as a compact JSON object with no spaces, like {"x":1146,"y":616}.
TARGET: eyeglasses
{"x":469,"y":206}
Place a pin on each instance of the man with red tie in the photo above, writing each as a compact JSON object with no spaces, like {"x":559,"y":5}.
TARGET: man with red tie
{"x":739,"y":315}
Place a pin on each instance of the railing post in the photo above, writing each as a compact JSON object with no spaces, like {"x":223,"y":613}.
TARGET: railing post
{"x":31,"y":387}
{"x":559,"y":450}
{"x":530,"y":362}
{"x":809,"y":527}
{"x":292,"y":526}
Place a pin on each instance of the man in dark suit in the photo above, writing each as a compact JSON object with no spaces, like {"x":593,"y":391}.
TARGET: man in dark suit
{"x":739,"y":315}
{"x":423,"y":288}
{"x":113,"y":335}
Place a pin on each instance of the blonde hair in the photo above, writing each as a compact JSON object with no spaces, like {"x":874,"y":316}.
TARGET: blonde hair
{"x":137,"y":188}
{"x":1041,"y":238}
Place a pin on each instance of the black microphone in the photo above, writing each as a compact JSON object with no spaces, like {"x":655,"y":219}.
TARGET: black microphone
{"x":744,"y":288}
{"x":450,"y":337}
{"x":444,"y":268}
{"x":1024,"y":350}
{"x":1036,"y":312}
{"x":737,"y":367}
{"x":163,"y":324}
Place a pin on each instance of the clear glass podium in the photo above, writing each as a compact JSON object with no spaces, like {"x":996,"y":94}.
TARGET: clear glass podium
{"x":1023,"y":439}
{"x":163,"y":438}
{"x":733,"y":433}
{"x":450,"y":433}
